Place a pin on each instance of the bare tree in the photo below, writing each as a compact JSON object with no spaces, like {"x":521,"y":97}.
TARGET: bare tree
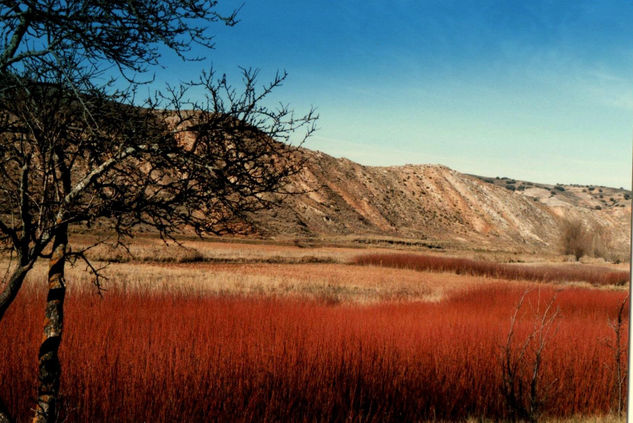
{"x":76,"y":151}
{"x":128,"y":34}
{"x":586,"y":239}
{"x":618,"y":346}
{"x":522,"y":361}
{"x":576,"y":238}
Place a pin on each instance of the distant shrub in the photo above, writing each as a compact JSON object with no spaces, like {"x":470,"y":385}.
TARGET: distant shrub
{"x":559,"y":187}
{"x":579,"y":239}
{"x":575,"y":238}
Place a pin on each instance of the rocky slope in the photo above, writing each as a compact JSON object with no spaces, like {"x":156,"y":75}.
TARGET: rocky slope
{"x":438,"y":206}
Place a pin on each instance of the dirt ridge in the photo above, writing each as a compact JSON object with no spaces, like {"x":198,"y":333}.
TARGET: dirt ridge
{"x":441,"y":206}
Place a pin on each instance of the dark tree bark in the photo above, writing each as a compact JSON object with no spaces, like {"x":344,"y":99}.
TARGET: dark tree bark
{"x":49,"y":365}
{"x":12,"y":288}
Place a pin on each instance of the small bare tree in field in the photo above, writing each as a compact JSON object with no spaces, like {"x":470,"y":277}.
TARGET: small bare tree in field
{"x":76,"y":150}
{"x":580,"y":239}
{"x":576,"y":239}
{"x":522,"y":383}
{"x":618,"y":346}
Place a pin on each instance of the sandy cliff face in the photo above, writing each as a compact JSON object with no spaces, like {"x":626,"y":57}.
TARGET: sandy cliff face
{"x":440,"y":205}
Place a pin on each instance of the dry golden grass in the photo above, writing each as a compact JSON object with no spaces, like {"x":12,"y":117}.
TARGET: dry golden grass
{"x":145,"y":249}
{"x":250,"y":269}
{"x":152,"y":249}
{"x":329,"y":282}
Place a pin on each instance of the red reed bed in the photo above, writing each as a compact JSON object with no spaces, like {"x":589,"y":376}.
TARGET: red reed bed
{"x":165,"y":358}
{"x":552,"y":273}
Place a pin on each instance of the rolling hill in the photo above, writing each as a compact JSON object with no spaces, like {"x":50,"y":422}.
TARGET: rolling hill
{"x":434,"y":206}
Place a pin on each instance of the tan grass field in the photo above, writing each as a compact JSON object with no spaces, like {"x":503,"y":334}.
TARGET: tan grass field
{"x":148,"y":248}
{"x":277,"y":270}
{"x":329,"y":282}
{"x":255,"y":269}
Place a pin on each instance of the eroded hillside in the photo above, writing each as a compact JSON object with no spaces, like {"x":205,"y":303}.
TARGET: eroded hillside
{"x":438,"y":206}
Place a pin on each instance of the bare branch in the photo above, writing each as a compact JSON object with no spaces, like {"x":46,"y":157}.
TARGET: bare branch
{"x":522,"y":384}
{"x":8,"y":56}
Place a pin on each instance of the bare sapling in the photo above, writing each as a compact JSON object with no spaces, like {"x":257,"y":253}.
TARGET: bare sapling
{"x":523,"y":385}
{"x":618,"y":347}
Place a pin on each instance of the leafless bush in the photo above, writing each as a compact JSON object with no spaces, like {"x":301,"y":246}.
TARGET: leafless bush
{"x":522,"y":383}
{"x":580,"y":239}
{"x":618,"y":347}
{"x":575,"y":238}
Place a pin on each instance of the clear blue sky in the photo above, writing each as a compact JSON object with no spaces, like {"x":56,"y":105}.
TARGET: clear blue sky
{"x":535,"y":90}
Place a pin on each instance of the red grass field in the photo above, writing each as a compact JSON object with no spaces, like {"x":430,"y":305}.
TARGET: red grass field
{"x":168,"y":357}
{"x":550,"y":273}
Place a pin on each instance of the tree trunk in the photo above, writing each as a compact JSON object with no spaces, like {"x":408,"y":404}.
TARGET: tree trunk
{"x":49,"y":366}
{"x":12,"y":287}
